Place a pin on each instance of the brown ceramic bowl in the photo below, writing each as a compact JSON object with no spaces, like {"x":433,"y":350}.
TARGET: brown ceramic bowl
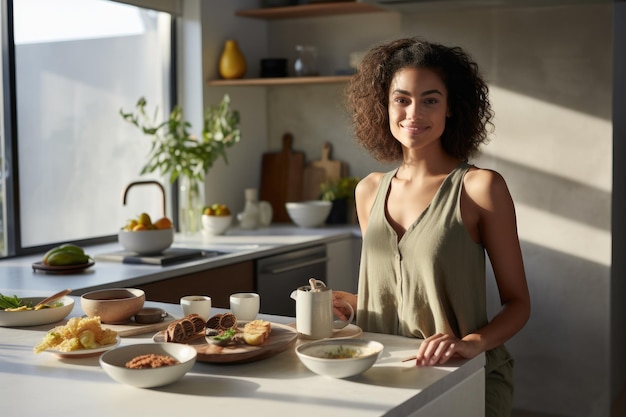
{"x":113,"y":305}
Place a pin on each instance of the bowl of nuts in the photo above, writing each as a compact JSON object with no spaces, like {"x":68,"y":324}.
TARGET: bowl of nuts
{"x":147,"y":365}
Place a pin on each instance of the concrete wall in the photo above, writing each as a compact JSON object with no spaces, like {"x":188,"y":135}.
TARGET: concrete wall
{"x":550,"y":73}
{"x":618,"y":266}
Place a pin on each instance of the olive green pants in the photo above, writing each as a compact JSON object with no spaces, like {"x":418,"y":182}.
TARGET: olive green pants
{"x":498,"y":383}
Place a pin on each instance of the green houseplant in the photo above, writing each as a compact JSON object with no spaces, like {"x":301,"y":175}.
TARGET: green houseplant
{"x":180,"y":155}
{"x":341,"y":193}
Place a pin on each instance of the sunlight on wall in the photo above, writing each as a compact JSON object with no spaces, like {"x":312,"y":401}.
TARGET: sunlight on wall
{"x":563,"y":174}
{"x":558,"y":233}
{"x":534,"y":132}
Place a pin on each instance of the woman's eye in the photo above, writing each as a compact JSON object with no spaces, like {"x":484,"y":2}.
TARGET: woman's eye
{"x":431,"y":101}
{"x":401,"y":100}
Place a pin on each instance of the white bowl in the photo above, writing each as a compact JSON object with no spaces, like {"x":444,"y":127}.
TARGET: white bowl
{"x":114,"y":364}
{"x":320,"y":356}
{"x":311,"y":213}
{"x":216,"y":225}
{"x":146,"y":242}
{"x":113,"y":305}
{"x":36,"y":317}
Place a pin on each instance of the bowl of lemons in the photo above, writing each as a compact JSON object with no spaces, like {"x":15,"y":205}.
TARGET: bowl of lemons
{"x":144,"y":237}
{"x":216,"y":219}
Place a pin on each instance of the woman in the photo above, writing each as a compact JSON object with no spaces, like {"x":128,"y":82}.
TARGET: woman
{"x":427,"y":224}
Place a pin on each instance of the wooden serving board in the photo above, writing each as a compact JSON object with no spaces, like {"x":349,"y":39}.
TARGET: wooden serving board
{"x":333,"y":169}
{"x":281,"y":337}
{"x":281,"y":178}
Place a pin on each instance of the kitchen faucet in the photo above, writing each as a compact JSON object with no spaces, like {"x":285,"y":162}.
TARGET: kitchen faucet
{"x":129,"y":186}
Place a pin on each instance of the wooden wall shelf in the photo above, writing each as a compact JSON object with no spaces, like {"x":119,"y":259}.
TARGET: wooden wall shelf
{"x":309,"y":10}
{"x":281,"y":81}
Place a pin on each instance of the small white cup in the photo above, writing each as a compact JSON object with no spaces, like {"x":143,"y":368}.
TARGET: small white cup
{"x":196,"y":304}
{"x":245,"y":305}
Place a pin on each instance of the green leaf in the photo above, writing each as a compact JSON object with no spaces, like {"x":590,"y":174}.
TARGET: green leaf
{"x":174,"y":151}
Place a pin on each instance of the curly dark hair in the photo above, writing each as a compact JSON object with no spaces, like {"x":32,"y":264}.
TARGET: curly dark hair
{"x":367,"y":97}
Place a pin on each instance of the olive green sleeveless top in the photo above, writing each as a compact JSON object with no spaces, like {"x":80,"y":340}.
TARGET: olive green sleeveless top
{"x":433,"y":279}
{"x":430,"y":281}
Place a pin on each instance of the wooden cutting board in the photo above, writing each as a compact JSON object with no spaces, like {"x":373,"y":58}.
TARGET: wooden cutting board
{"x":281,"y":178}
{"x":312,"y":180}
{"x":333,"y":169}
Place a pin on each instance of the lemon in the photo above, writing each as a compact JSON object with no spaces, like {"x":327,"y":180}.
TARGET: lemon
{"x":144,"y":219}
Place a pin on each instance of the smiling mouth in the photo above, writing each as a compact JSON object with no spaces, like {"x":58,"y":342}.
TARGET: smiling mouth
{"x":414,"y":129}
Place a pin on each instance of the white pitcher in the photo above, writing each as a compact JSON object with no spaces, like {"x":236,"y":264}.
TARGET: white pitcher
{"x":314,"y":311}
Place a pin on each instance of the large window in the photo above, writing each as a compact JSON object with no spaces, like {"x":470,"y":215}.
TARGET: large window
{"x":76,"y":64}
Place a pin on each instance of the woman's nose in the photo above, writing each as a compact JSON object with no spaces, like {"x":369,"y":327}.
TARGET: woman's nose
{"x":414,"y":112}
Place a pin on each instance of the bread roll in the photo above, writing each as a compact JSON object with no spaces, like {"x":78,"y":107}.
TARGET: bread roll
{"x":185,"y":329}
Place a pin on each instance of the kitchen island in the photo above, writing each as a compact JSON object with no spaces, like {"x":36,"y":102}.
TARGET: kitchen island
{"x":278,"y":386}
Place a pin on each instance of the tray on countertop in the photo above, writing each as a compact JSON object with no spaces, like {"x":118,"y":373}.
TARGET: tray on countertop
{"x":167,"y":257}
{"x":132,"y":328}
{"x":281,"y":338}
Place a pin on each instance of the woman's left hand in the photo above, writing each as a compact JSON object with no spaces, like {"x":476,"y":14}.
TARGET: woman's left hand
{"x":439,"y":348}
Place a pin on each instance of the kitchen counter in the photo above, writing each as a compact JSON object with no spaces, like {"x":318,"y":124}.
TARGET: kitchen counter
{"x":46,"y":385}
{"x":238,"y":245}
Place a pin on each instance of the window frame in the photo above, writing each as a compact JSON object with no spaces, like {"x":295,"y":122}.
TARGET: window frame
{"x":9,"y":113}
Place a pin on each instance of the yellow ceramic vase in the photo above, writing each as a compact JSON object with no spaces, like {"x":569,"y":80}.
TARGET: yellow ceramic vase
{"x":232,"y":61}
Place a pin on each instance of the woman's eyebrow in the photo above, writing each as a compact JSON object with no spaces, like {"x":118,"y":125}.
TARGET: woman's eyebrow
{"x":428,"y":92}
{"x":424,"y":93}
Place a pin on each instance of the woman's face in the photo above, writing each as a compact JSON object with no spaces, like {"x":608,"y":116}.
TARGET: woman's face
{"x":418,"y":107}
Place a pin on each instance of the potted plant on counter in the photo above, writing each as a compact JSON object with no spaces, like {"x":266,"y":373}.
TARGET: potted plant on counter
{"x":341,"y":194}
{"x":179,"y":155}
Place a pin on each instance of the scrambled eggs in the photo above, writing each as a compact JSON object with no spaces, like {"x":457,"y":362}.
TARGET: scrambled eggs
{"x":78,"y":333}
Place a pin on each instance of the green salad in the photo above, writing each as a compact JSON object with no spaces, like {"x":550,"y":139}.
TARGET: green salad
{"x":15,"y":303}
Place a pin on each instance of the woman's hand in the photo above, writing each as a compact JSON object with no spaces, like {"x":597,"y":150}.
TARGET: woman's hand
{"x":341,"y":310}
{"x":439,"y":348}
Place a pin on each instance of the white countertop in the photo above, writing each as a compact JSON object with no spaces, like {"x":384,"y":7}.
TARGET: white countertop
{"x":47,"y":385}
{"x":17,"y":275}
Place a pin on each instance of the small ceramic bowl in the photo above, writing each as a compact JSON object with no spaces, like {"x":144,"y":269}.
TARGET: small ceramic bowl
{"x":309,"y":213}
{"x":216,"y":225}
{"x":113,"y":305}
{"x":339,"y":358}
{"x":114,"y":364}
{"x":146,"y":242}
{"x":150,"y":315}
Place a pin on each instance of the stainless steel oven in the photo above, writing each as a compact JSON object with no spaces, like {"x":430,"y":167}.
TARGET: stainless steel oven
{"x":277,"y":276}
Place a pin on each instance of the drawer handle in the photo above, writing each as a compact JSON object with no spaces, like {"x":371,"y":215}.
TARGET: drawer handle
{"x":296,"y":266}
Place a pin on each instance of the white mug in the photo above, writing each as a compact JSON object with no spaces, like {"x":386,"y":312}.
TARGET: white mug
{"x":314,"y":312}
{"x":196,"y":304}
{"x":245,"y":305}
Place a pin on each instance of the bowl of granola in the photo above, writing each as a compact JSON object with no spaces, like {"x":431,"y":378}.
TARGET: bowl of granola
{"x":148,"y":365}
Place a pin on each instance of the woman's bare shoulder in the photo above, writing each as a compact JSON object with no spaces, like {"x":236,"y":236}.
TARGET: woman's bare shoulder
{"x":484,"y":185}
{"x":369,"y":184}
